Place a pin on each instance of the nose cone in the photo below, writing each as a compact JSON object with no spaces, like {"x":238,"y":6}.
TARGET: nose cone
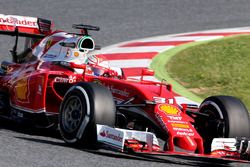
{"x":186,"y":143}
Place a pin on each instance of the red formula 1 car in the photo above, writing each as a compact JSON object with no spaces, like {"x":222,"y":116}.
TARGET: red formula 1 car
{"x":56,"y":80}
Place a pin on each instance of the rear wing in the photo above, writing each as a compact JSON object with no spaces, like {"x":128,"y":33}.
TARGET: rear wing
{"x":24,"y":26}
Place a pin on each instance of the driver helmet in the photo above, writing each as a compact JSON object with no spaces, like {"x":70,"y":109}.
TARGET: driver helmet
{"x":99,"y":64}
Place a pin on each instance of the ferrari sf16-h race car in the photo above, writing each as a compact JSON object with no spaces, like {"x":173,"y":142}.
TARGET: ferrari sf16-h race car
{"x":57,"y":80}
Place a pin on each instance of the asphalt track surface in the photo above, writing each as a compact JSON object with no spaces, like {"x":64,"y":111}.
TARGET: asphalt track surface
{"x":120,"y":20}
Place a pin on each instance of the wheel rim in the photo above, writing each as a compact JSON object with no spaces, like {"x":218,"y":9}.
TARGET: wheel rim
{"x":215,"y":124}
{"x":72,"y":114}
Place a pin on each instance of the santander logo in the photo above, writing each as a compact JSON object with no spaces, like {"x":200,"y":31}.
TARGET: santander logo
{"x":103,"y":134}
{"x":107,"y":134}
{"x":18,"y":21}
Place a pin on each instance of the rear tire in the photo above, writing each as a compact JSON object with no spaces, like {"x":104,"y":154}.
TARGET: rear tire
{"x":4,"y":103}
{"x":84,"y":106}
{"x":228,"y":118}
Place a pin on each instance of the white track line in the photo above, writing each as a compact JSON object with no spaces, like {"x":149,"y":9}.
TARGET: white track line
{"x":171,"y":36}
{"x":140,"y":49}
{"x":206,"y":38}
{"x":130,"y":63}
{"x":181,"y":38}
{"x":230,"y":30}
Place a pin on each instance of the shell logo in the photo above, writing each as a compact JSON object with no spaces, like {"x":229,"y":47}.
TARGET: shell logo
{"x":169,"y":109}
{"x":76,"y":54}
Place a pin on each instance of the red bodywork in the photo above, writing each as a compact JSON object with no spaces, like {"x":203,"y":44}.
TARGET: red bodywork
{"x":38,"y":87}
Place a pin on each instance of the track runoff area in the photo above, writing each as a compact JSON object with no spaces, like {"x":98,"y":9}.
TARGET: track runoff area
{"x":133,"y":56}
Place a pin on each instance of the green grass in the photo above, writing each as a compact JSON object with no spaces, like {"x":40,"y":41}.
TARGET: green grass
{"x":219,"y":67}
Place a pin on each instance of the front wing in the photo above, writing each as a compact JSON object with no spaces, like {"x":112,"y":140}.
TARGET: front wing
{"x":146,"y":144}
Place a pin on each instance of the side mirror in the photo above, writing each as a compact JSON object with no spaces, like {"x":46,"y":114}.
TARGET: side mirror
{"x":147,"y":72}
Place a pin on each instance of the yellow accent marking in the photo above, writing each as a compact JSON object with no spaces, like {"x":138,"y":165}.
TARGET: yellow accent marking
{"x":169,"y":109}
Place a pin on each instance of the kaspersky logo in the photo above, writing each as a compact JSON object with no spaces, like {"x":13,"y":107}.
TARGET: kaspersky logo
{"x":107,"y":134}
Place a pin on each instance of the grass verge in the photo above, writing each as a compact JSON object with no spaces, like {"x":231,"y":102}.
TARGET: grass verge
{"x":201,"y":69}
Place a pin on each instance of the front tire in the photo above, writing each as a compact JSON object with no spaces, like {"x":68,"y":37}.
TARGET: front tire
{"x":227,"y":118}
{"x":84,"y":106}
